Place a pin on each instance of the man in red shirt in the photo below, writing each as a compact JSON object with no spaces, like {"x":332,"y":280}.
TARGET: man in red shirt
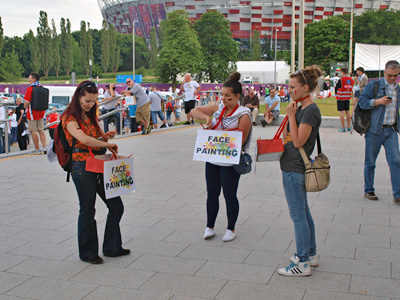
{"x":344,"y":91}
{"x":35,"y":117}
{"x":55,"y":116}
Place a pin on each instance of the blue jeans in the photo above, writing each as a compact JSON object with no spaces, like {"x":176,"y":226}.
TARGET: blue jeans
{"x":106,"y":120}
{"x":228,"y":179}
{"x":373,"y":142}
{"x":87,"y":185}
{"x":304,"y":229}
{"x":154,"y":115}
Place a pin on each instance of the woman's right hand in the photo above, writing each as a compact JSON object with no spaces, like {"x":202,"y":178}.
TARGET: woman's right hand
{"x":113,"y":148}
{"x":208,"y":122}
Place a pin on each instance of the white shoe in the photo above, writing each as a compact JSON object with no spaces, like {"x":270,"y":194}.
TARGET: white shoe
{"x":37,"y":151}
{"x":296,"y":268}
{"x":229,"y":236}
{"x":45,"y":150}
{"x":208,"y":233}
{"x":313,"y":260}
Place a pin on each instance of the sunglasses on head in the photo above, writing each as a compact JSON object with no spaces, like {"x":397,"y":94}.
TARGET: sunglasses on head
{"x":302,"y":74}
{"x":88,"y":84}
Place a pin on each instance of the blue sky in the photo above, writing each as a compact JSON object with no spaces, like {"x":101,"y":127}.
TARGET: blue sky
{"x":18,"y":16}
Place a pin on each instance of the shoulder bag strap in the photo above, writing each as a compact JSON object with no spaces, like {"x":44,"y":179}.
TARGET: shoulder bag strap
{"x":304,"y":157}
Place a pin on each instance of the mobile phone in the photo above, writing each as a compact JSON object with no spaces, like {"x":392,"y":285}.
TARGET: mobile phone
{"x":390,"y":98}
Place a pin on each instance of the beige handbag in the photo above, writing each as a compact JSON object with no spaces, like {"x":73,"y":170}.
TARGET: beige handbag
{"x":317,"y":170}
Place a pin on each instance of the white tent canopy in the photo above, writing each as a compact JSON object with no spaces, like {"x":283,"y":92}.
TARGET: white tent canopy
{"x":263,"y":71}
{"x":374,"y":57}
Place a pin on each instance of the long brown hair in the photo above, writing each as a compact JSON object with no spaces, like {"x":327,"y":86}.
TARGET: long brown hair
{"x":74,"y":108}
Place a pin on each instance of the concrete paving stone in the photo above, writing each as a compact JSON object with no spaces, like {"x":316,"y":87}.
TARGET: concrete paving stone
{"x":147,"y":233}
{"x":359,"y":240}
{"x":394,"y":221}
{"x":107,"y":293}
{"x":6,"y":219}
{"x":184,"y":285}
{"x":35,"y":194}
{"x":333,"y":250}
{"x":42,"y":235}
{"x":318,"y":295}
{"x":38,"y":212}
{"x":165,"y":264}
{"x":144,"y":222}
{"x":6,"y":231}
{"x":337,"y":227}
{"x":41,"y":223}
{"x":320,"y":281}
{"x":378,"y":254}
{"x":267,"y":244}
{"x":50,"y":289}
{"x":395,"y":243}
{"x":149,"y":204}
{"x":396,"y":270}
{"x":195,"y":238}
{"x":224,"y":254}
{"x":5,"y":297}
{"x":7,"y":245}
{"x":318,"y":207}
{"x":155,"y":247}
{"x":40,"y":203}
{"x":236,"y":271}
{"x":44,"y":250}
{"x":50,"y":268}
{"x":192,"y":207}
{"x":360,"y":201}
{"x":170,"y":214}
{"x":379,"y":230}
{"x":236,"y":290}
{"x":8,"y":261}
{"x":181,"y":225}
{"x":10,"y":280}
{"x":354,"y":266}
{"x":374,"y":286}
{"x":111,"y":276}
{"x":186,"y":298}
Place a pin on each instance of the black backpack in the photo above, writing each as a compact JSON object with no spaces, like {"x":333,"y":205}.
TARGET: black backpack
{"x":63,"y":150}
{"x":40,"y":98}
{"x":362,"y":117}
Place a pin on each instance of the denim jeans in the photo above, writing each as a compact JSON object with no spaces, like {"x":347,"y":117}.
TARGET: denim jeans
{"x":87,"y":185}
{"x":304,"y":229}
{"x":373,"y":142}
{"x":154,"y":115}
{"x":228,"y":179}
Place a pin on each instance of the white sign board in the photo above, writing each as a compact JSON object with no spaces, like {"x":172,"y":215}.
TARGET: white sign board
{"x":218,"y":146}
{"x":118,"y":177}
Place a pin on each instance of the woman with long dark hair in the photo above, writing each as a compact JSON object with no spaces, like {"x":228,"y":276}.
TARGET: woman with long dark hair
{"x":80,"y":122}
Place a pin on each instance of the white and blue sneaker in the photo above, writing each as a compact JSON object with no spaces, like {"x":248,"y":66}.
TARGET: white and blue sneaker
{"x":314,"y":260}
{"x":296,"y":268}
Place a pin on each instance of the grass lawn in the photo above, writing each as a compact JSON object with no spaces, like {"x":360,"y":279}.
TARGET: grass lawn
{"x":327,"y":107}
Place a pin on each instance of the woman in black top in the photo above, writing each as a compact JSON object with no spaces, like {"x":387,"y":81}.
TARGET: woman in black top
{"x":301,"y":131}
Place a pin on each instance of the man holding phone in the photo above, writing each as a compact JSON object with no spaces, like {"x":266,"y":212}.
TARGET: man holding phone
{"x":383,"y":130}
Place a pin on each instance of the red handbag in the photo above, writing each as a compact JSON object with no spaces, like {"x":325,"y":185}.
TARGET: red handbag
{"x":271,"y":149}
{"x":95,"y":164}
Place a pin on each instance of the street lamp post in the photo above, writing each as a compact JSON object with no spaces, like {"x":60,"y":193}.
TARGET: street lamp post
{"x":90,"y":68}
{"x":276,"y":33}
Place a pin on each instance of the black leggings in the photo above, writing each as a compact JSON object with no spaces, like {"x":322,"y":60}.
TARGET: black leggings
{"x":228,"y":179}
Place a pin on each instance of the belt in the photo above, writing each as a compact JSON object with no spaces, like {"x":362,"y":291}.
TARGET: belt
{"x":388,"y":126}
{"x":96,"y":152}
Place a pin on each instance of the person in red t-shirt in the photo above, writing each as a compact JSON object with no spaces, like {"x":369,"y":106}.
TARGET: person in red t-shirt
{"x":55,"y":116}
{"x":35,"y":117}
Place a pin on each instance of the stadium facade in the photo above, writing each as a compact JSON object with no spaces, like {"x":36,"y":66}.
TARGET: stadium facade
{"x":266,"y":16}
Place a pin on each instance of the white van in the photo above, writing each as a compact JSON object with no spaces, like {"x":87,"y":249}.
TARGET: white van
{"x":60,"y":94}
{"x":247,"y":80}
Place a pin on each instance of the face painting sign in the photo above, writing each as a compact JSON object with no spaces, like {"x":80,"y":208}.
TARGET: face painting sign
{"x":118,"y":177}
{"x":217,"y":146}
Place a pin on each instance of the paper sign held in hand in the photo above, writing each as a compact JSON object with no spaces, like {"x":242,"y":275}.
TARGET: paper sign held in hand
{"x":217,"y":146}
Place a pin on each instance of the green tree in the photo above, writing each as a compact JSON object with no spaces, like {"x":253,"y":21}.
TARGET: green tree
{"x":256,"y":45}
{"x":56,"y":48}
{"x":33,"y":51}
{"x":45,"y":44}
{"x":77,"y":57}
{"x":320,"y":38}
{"x":105,"y":48}
{"x":1,"y":36}
{"x":217,"y":45}
{"x":115,"y":50}
{"x":181,"y":52}
{"x":10,"y":67}
{"x":86,"y":47}
{"x":266,"y":52}
{"x":377,"y":27}
{"x":141,"y":53}
{"x":153,"y":48}
{"x":66,"y":56}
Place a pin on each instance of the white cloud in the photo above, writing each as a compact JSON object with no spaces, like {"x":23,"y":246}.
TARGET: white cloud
{"x":19,"y":16}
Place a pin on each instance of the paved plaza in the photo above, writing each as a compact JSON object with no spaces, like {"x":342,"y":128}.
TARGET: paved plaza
{"x":358,"y":240}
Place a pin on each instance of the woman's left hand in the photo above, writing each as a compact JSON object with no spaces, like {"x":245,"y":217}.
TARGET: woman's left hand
{"x":111,"y":134}
{"x":291,"y":109}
